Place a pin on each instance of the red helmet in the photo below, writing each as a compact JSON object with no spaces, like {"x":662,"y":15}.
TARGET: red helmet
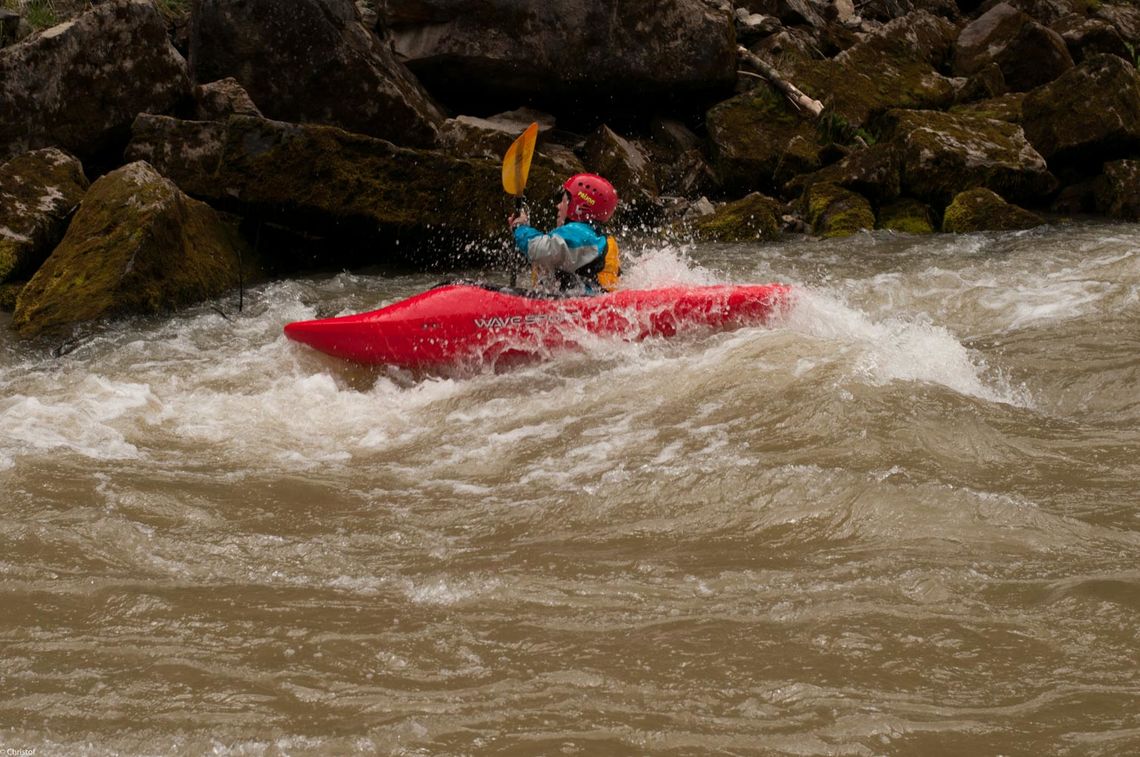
{"x":592,"y":198}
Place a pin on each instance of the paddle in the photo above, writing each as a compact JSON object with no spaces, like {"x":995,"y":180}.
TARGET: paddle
{"x":516,"y":169}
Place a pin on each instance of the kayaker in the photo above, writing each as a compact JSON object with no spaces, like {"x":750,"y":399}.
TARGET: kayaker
{"x":574,"y":256}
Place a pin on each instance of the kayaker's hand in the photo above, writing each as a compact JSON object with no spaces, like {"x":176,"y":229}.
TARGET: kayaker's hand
{"x":519,"y":219}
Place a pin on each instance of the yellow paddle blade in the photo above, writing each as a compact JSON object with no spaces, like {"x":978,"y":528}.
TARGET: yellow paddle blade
{"x":516,"y":163}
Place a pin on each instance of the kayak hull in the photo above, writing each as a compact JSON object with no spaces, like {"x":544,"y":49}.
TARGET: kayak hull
{"x":458,"y":324}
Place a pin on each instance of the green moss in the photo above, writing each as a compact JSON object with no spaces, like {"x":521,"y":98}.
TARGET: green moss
{"x":136,"y":245}
{"x":906,"y":216}
{"x":836,"y":212}
{"x":746,"y":220}
{"x":40,"y":14}
{"x":983,"y":210}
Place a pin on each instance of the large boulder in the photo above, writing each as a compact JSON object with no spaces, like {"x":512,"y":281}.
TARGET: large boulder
{"x":626,"y":164}
{"x":80,"y":84}
{"x":897,"y":66}
{"x":1028,"y":53}
{"x":1088,"y":36}
{"x":1125,"y":18}
{"x":38,"y":192}
{"x":1087,"y":116}
{"x":980,"y":209}
{"x":572,"y":57}
{"x":394,"y":202}
{"x":942,"y":154}
{"x":312,"y":61}
{"x":758,"y":142}
{"x":136,"y":245}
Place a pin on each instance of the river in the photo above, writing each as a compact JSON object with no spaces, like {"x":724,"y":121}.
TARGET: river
{"x":904,"y":519}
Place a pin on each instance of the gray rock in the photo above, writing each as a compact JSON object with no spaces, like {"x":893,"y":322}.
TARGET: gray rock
{"x":312,"y":61}
{"x":942,"y":154}
{"x":564,"y":54}
{"x":39,"y":190}
{"x":1087,"y":116}
{"x":1028,"y":53}
{"x":80,"y":84}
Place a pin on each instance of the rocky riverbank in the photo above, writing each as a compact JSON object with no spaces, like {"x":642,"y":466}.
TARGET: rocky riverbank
{"x":155,"y":152}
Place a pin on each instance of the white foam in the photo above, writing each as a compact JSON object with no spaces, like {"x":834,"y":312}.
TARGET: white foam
{"x":85,"y":418}
{"x":899,"y":349}
{"x":668,"y":265}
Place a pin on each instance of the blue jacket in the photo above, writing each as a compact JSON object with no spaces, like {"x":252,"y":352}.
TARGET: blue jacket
{"x":566,"y":248}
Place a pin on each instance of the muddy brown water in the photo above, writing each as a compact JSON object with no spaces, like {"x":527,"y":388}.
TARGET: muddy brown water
{"x":905,"y":519}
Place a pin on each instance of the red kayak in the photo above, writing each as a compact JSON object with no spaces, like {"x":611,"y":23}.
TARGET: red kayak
{"x":463,"y":323}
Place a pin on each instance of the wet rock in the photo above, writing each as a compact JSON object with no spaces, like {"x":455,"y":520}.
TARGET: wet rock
{"x":1124,"y":17}
{"x":833,"y":211}
{"x":872,"y":172}
{"x":79,"y":85}
{"x":379,"y":200}
{"x":984,"y":210}
{"x":1118,"y":190}
{"x":136,"y":245}
{"x":943,"y":154}
{"x":1089,"y":36}
{"x":758,"y":142}
{"x":1044,"y":11}
{"x":626,"y":164}
{"x":221,"y":99}
{"x":908,"y":216}
{"x":470,"y":136}
{"x":39,"y":190}
{"x":1028,"y":53}
{"x":1087,"y":116}
{"x":673,"y":136}
{"x":571,"y":57}
{"x":897,"y":66}
{"x":754,"y":217}
{"x":312,"y":61}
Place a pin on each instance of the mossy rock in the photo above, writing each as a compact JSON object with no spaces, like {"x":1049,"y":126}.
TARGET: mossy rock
{"x":833,"y":211}
{"x":38,"y":192}
{"x":399,"y":203}
{"x":750,"y":136}
{"x":1088,"y":115}
{"x":895,"y":67}
{"x":136,"y":245}
{"x":908,"y":216}
{"x":983,"y":210}
{"x":746,"y":220}
{"x":942,"y":154}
